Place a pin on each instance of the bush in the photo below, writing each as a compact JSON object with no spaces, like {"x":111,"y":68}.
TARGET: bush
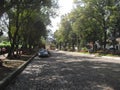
{"x":84,"y":49}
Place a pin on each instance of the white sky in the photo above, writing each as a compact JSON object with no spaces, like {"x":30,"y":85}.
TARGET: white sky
{"x":65,"y":7}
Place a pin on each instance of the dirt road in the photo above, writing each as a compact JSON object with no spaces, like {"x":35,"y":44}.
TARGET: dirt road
{"x":69,"y":71}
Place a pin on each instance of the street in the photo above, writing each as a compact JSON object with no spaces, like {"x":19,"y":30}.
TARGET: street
{"x":69,"y":71}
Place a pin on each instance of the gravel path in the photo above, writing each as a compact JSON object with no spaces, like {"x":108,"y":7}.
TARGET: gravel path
{"x":69,"y":71}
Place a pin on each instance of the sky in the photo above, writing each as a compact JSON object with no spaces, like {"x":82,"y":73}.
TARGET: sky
{"x":65,"y":7}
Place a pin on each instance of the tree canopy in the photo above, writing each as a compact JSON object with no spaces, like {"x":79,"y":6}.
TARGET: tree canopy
{"x":27,"y":21}
{"x":91,"y":21}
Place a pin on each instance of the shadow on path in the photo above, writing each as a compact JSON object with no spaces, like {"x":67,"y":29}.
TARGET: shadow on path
{"x":66,"y":72}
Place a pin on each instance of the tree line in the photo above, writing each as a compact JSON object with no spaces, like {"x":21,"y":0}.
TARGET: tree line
{"x":89,"y":22}
{"x":27,"y":21}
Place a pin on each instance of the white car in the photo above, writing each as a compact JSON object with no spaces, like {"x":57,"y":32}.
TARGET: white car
{"x":43,"y":53}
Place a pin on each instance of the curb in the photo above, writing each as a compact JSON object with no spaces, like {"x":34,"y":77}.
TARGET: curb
{"x":10,"y":77}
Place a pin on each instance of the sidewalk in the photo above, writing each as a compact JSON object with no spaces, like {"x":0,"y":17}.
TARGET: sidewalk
{"x":15,"y":72}
{"x":93,"y":55}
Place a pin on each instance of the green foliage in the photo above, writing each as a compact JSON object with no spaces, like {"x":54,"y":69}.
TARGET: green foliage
{"x":28,"y":20}
{"x":4,"y":44}
{"x":90,"y":21}
{"x":84,"y":49}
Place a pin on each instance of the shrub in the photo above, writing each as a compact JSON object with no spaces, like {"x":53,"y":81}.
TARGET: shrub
{"x":84,"y":49}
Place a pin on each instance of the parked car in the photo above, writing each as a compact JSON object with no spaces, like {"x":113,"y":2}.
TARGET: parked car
{"x":43,"y":53}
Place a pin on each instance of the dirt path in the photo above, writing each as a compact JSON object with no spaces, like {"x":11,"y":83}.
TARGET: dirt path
{"x":69,"y":71}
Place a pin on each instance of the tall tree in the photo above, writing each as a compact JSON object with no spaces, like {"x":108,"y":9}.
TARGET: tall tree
{"x":93,"y":20}
{"x":29,"y":17}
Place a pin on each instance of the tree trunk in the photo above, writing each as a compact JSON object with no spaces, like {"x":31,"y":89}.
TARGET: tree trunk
{"x":73,"y":47}
{"x":60,"y":45}
{"x":1,"y":62}
{"x":105,"y":37}
{"x":11,"y":52}
{"x":114,"y":35}
{"x":105,"y":34}
{"x":78,"y":44}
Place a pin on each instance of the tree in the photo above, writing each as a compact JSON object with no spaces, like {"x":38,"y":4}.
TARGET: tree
{"x":99,"y":13}
{"x":28,"y":19}
{"x":91,"y":21}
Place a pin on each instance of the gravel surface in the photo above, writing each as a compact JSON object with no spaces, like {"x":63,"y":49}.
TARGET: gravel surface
{"x":69,"y":71}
